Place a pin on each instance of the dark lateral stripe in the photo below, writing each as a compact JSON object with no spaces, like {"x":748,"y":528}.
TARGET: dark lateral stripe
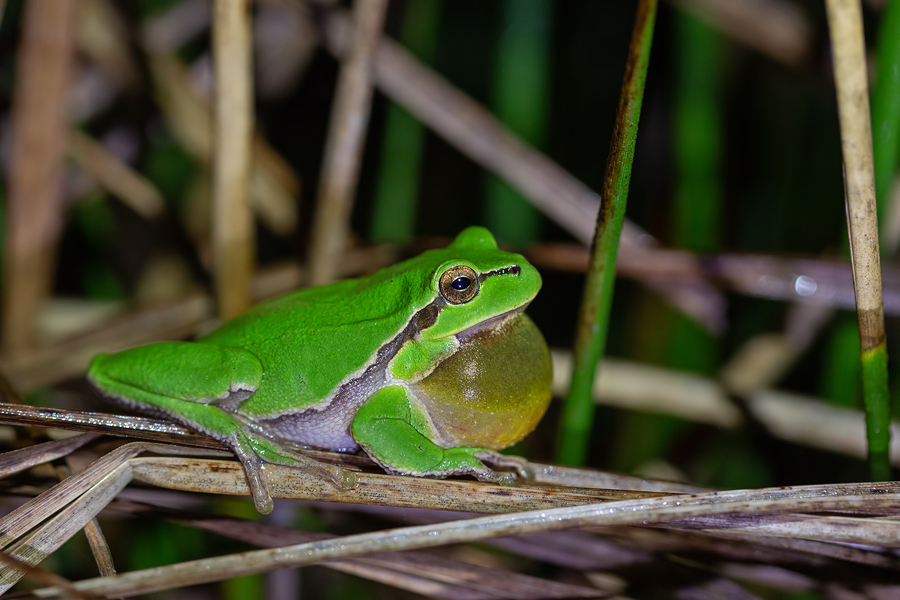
{"x":513,"y":270}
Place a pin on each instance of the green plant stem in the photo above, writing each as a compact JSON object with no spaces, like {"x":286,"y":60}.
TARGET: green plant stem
{"x":394,"y":212}
{"x":593,"y":321}
{"x":521,"y":93}
{"x":886,"y":109}
{"x":878,"y":411}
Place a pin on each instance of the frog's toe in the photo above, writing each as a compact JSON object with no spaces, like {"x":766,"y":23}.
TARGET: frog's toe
{"x":256,"y":479}
{"x":498,"y":477}
{"x":521,"y":466}
{"x":276,"y":453}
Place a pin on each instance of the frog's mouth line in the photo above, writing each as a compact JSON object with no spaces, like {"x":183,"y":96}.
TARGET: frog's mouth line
{"x":492,"y":323}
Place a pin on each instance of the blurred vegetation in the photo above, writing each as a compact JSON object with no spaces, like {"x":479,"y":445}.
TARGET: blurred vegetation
{"x":737,"y":152}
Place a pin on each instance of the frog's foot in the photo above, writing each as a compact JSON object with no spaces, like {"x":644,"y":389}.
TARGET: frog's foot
{"x":389,"y":431}
{"x":272,"y":451}
{"x":255,"y":452}
{"x":253,"y":468}
{"x":522,"y":467}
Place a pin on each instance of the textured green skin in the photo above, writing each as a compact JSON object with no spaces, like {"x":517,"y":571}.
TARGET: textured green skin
{"x":293,"y":354}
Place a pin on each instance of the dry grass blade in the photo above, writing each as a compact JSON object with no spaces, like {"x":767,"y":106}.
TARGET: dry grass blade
{"x":132,"y":188}
{"x":19,"y":521}
{"x":16,"y":523}
{"x":343,"y":149}
{"x":433,"y":576}
{"x":631,"y":512}
{"x":39,"y":125}
{"x":846,"y":530}
{"x":25,"y":458}
{"x":233,"y":239}
{"x":42,"y":576}
{"x":45,"y":540}
{"x":477,"y":133}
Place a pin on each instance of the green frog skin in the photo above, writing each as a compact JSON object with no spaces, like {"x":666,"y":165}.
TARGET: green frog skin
{"x":430,"y":366}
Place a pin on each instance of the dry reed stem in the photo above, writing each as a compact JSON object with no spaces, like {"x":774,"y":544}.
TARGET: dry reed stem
{"x":39,"y":132}
{"x":344,"y":147}
{"x":115,"y":176}
{"x":233,"y":239}
{"x":845,"y":24}
{"x":477,"y":133}
{"x":776,"y":28}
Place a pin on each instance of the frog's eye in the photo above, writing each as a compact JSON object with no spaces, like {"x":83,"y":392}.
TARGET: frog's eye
{"x":459,"y":284}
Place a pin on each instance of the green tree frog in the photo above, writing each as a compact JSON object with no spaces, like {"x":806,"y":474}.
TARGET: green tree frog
{"x":430,"y":366}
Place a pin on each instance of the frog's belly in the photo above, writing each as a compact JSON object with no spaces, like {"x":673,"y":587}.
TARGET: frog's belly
{"x":328,"y":427}
{"x":493,"y":390}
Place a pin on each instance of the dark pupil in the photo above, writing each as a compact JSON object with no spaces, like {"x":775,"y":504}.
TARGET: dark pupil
{"x":461,"y":283}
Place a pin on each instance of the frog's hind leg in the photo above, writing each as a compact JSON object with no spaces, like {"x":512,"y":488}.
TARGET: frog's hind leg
{"x":201,"y":386}
{"x":391,"y":431}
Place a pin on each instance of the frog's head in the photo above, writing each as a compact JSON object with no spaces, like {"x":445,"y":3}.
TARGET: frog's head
{"x":475,"y":283}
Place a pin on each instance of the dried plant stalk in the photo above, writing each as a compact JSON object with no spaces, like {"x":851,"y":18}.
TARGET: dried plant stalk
{"x":126,"y":184}
{"x":343,"y":150}
{"x":233,"y":238}
{"x":846,"y":28}
{"x":39,"y":124}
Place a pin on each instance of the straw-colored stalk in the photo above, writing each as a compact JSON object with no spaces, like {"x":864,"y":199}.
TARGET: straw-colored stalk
{"x":845,"y":26}
{"x":39,"y":130}
{"x":233,"y":237}
{"x":593,"y":318}
{"x":117,"y":177}
{"x":346,"y":136}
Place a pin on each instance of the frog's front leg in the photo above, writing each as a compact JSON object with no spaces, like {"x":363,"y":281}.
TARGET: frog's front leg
{"x":391,"y":431}
{"x":202,"y":386}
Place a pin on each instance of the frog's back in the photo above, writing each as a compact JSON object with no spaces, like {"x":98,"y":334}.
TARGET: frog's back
{"x":313,"y":340}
